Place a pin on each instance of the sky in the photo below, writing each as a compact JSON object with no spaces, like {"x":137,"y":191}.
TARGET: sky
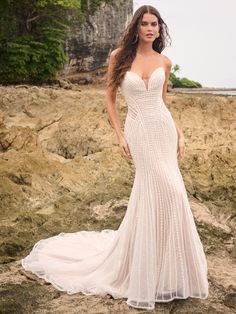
{"x":203,"y":34}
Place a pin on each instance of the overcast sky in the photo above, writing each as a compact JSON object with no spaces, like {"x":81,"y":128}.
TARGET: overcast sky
{"x":203,"y":36}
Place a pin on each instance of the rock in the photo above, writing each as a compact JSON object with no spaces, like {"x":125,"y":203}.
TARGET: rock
{"x":233,"y":253}
{"x":24,"y":297}
{"x":112,"y":209}
{"x":62,"y":171}
{"x":79,"y":135}
{"x":207,"y":123}
{"x":21,"y":179}
{"x":88,"y":44}
{"x":65,"y":84}
{"x":230,"y":300}
{"x":17,"y":138}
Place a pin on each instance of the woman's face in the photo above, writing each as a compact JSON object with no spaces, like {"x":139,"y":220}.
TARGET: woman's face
{"x":148,"y":27}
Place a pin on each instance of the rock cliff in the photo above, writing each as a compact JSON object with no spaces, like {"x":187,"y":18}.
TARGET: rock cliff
{"x":88,"y":44}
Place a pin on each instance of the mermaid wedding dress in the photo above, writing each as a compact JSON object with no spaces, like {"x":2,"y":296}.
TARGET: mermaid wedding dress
{"x":156,"y":254}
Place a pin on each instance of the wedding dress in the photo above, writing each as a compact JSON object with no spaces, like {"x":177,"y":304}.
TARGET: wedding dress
{"x":156,"y":254}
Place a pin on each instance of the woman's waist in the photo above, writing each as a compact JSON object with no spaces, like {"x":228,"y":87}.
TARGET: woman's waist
{"x":148,"y":110}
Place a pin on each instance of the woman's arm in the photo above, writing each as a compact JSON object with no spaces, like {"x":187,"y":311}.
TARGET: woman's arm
{"x":111,"y":99}
{"x":168,"y":66}
{"x":164,"y":92}
{"x":180,"y":151}
{"x":112,"y":110}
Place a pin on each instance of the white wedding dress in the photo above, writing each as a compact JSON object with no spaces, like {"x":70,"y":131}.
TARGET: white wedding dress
{"x":156,"y":254}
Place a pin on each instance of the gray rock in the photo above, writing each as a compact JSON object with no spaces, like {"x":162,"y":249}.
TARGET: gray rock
{"x":89,"y":44}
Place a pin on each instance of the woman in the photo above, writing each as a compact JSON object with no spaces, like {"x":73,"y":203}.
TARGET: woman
{"x":169,"y":261}
{"x":156,"y":254}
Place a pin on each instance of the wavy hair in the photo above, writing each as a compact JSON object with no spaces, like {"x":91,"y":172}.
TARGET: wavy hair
{"x":129,"y":43}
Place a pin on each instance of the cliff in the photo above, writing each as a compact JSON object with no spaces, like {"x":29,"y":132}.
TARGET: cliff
{"x":88,"y":45}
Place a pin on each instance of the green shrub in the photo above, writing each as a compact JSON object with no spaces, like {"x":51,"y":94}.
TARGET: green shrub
{"x":183,"y":82}
{"x":32,"y":33}
{"x":25,"y":59}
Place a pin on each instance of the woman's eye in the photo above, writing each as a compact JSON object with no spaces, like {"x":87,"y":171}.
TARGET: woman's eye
{"x":144,"y":24}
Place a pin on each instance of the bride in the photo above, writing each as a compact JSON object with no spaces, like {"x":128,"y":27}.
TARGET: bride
{"x":156,"y":254}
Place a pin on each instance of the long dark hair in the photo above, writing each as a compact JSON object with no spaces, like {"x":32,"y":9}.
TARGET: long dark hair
{"x":129,"y":42}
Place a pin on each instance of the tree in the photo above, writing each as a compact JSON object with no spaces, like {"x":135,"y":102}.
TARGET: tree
{"x":176,"y":68}
{"x":32,"y":34}
{"x":182,"y":82}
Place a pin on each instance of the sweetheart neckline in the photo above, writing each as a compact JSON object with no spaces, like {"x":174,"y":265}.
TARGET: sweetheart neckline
{"x":146,"y":86}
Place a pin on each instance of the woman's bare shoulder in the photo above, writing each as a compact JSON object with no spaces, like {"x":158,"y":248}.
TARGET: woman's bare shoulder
{"x":167,"y":61}
{"x":115,"y":52}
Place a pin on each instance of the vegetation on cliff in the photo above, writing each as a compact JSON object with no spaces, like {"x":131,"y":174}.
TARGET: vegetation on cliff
{"x":32,"y":34}
{"x":181,"y":81}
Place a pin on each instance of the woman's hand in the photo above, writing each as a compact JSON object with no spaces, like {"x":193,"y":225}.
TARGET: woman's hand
{"x":181,"y":147}
{"x":124,"y":147}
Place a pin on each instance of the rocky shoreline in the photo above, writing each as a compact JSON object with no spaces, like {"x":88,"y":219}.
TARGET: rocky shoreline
{"x":230,"y":92}
{"x":62,"y":171}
